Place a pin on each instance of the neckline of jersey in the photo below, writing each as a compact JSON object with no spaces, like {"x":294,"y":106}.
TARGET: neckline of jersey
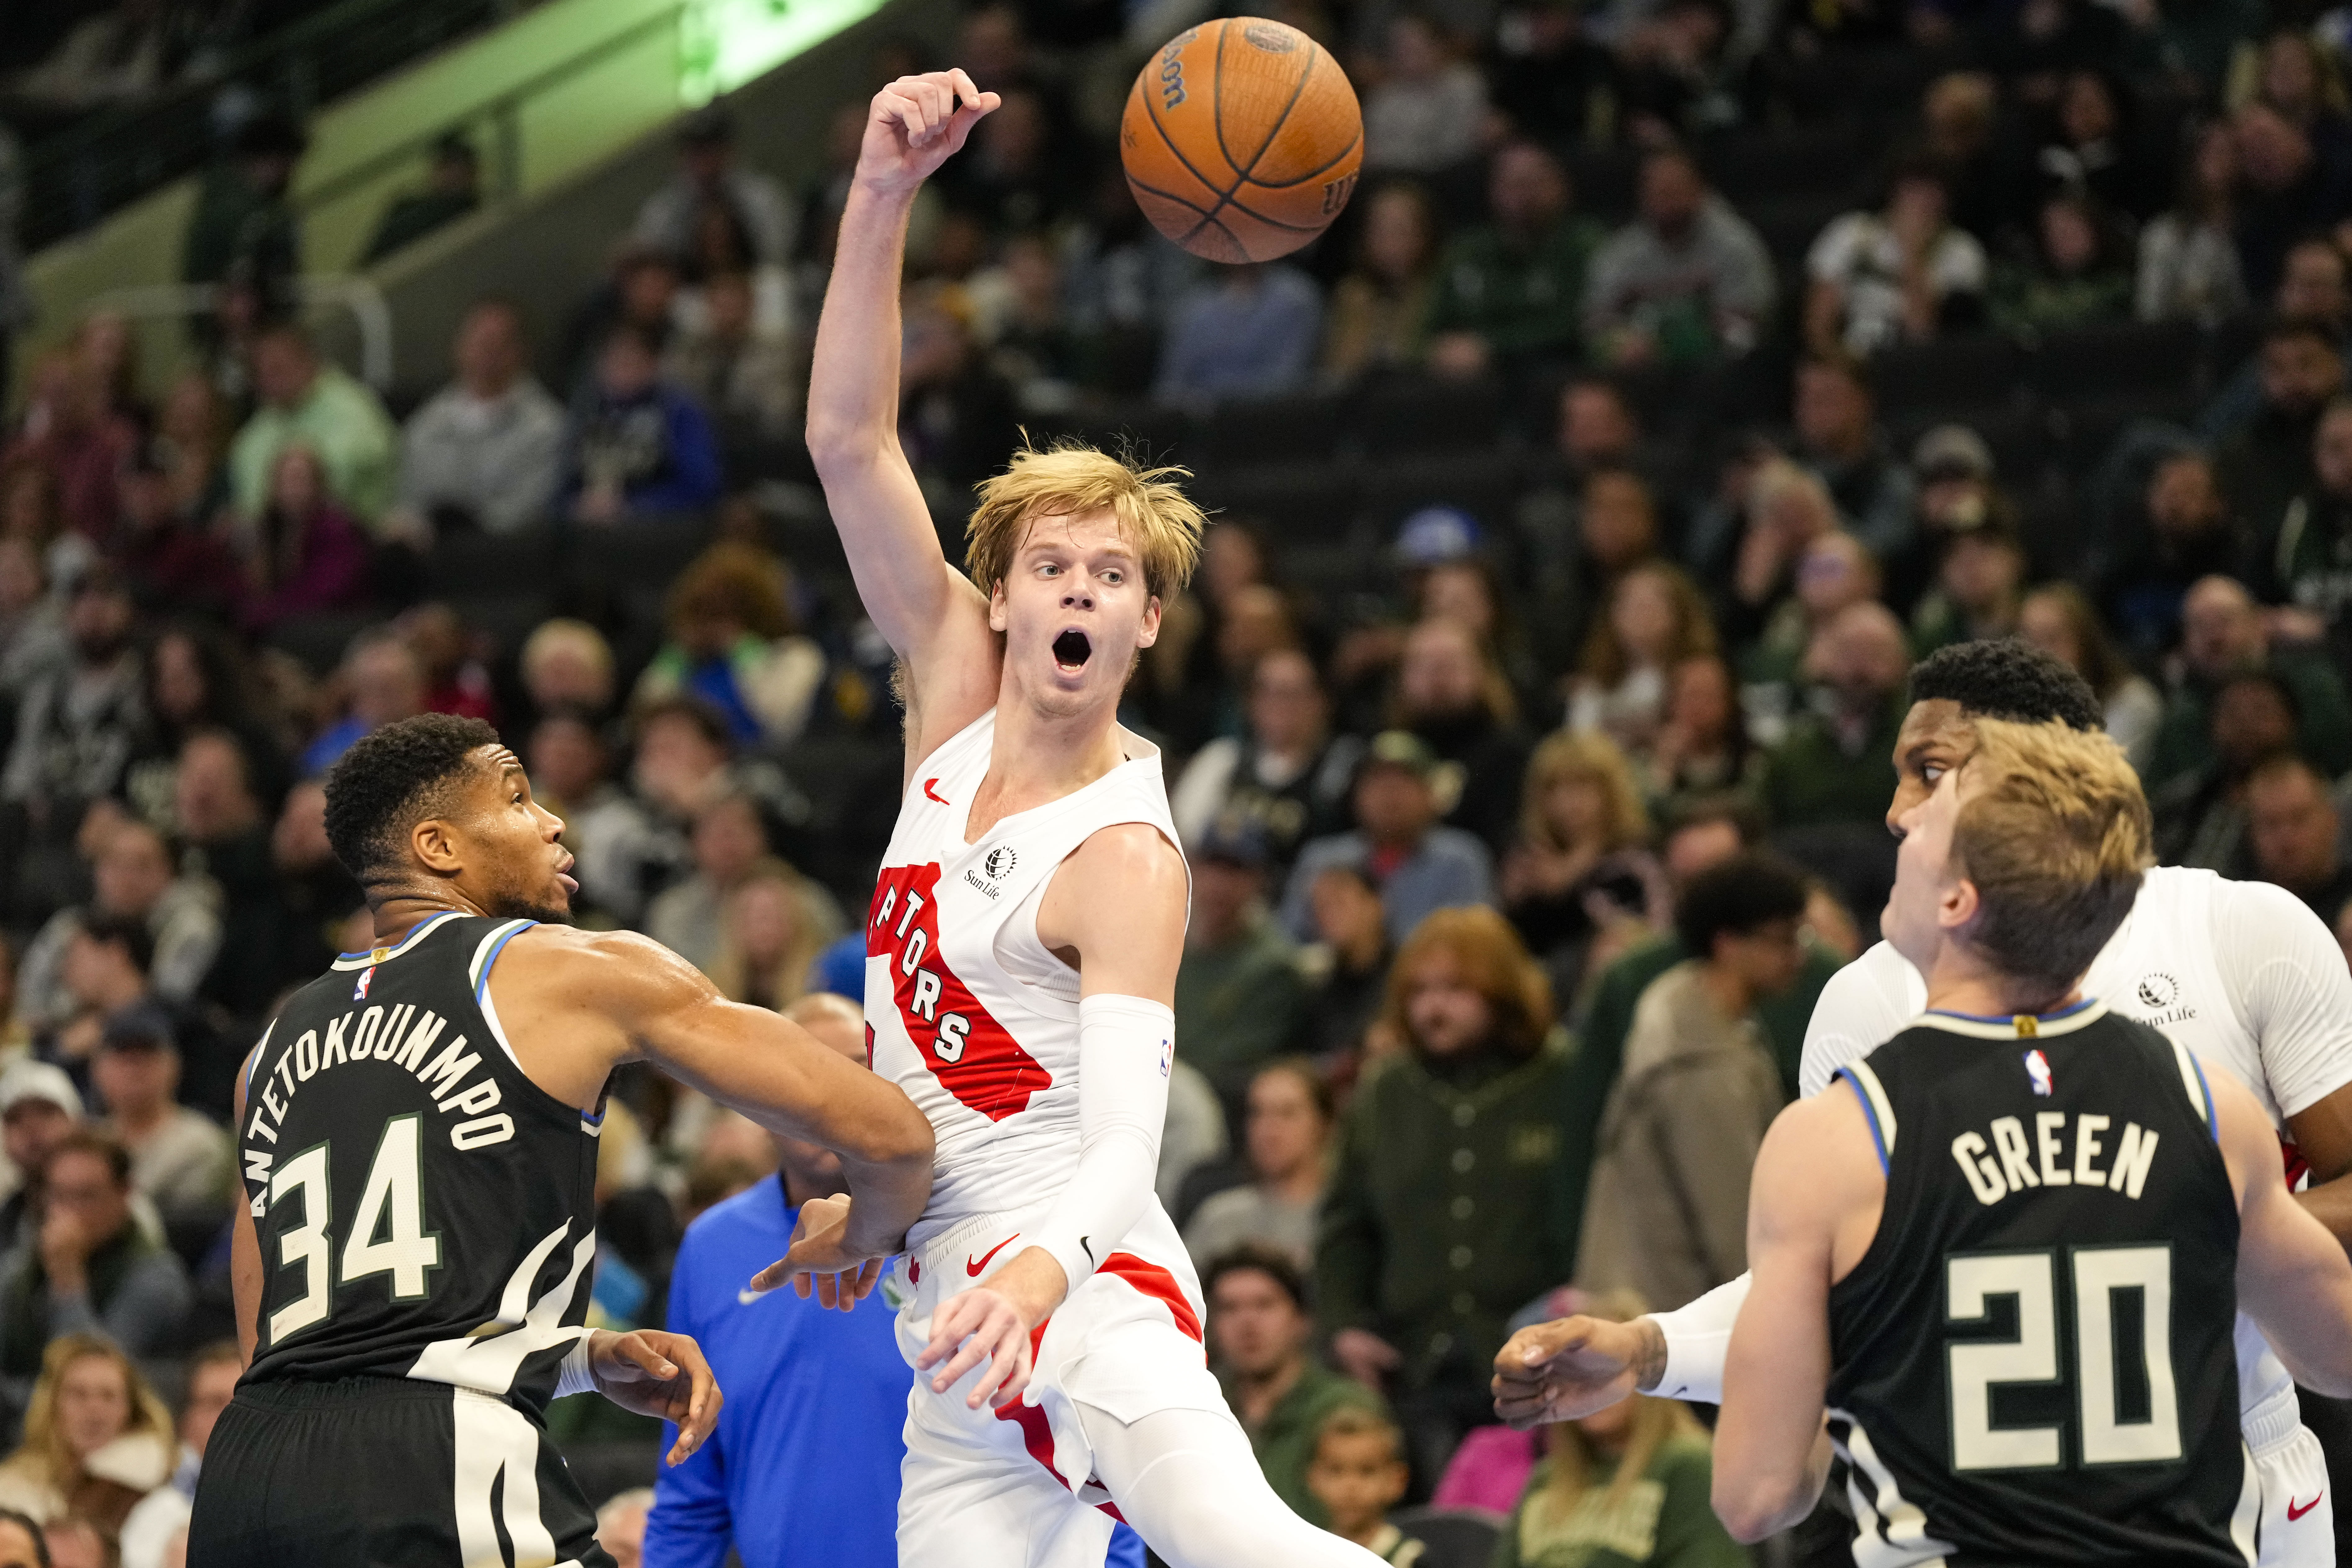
{"x":996,"y":829}
{"x":358,"y":960}
{"x":2003,"y":1026}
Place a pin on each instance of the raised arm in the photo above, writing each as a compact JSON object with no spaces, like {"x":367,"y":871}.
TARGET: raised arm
{"x":2294,"y":1280}
{"x":929,"y":613}
{"x":1816,"y":1195}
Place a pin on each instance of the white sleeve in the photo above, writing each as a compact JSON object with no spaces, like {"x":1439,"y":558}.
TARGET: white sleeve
{"x":1126,"y":1048}
{"x":1865,"y":1005}
{"x":2287,"y":978}
{"x":1698,"y":1338}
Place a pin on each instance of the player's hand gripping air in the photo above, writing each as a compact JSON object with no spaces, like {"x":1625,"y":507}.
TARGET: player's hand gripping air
{"x":1573,"y":1367}
{"x":654,"y":1373}
{"x":916,"y":123}
{"x":824,"y":1259}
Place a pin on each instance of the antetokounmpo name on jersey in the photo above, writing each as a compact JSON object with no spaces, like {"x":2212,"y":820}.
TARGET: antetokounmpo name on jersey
{"x":969,"y":1052}
{"x":404,"y":1036}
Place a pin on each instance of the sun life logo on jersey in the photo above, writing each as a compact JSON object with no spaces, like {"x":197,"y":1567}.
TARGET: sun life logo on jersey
{"x":2159,"y":992}
{"x":2037,"y":1068}
{"x":995,"y":865}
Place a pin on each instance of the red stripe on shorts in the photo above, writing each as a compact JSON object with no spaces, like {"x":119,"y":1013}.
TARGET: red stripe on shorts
{"x":1157,"y":1283}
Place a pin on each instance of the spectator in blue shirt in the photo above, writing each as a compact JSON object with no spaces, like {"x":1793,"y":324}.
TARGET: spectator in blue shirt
{"x":1250,"y":332}
{"x":638,"y":445}
{"x":1417,"y":864}
{"x":803,"y":1469}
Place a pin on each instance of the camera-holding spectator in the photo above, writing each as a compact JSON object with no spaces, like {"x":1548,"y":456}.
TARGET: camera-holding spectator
{"x":1667,"y":1214}
{"x":1834,"y":765}
{"x":707,"y":172}
{"x":637,"y":446}
{"x":135,"y":880}
{"x":1240,"y":999}
{"x":1287,"y":773}
{"x":2189,"y":255}
{"x":1688,"y":282}
{"x":91,"y":1269}
{"x":181,"y":1159}
{"x":734,"y":644}
{"x":1259,"y":1332}
{"x":155,"y":1518}
{"x":1978,"y":589}
{"x":1511,"y":289}
{"x":1427,"y":109}
{"x":307,"y":400}
{"x":2077,"y":274}
{"x":1449,"y":1148}
{"x":383,"y":681}
{"x":1643,"y":1464}
{"x":1655,"y":620}
{"x":2061,"y":621}
{"x":1904,"y":274}
{"x":1581,"y":883}
{"x":1358,"y":1473}
{"x":1285,"y":1138}
{"x":1350,"y":963}
{"x":453,"y":188}
{"x":487,"y":450}
{"x":1418,"y":866}
{"x":2294,"y":828}
{"x":2224,"y":636}
{"x":306,"y":555}
{"x":1380,"y":309}
{"x":97,"y":1440}
{"x":1249,"y":331}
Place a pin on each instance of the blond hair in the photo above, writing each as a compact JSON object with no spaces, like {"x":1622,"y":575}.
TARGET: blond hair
{"x":1566,"y":1474}
{"x":1070,"y":480}
{"x":2054,"y":832}
{"x":43,"y":1455}
{"x":1583,"y":755}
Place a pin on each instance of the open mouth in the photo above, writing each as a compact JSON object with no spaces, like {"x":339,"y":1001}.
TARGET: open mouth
{"x":1073,"y":648}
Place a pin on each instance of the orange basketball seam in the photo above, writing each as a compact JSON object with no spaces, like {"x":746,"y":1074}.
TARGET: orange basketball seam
{"x":1171,"y":196}
{"x":1297,"y":92}
{"x":1316,"y":173}
{"x":1217,"y":119}
{"x":1152,"y":113}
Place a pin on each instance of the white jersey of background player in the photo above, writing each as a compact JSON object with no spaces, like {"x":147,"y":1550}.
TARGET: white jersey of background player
{"x":1023,"y":948}
{"x":2240,"y":973}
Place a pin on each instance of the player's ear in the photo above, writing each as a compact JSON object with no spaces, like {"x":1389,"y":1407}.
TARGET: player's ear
{"x":1958,"y":905}
{"x":435,"y":848}
{"x":996,"y":606}
{"x":1150,"y":632}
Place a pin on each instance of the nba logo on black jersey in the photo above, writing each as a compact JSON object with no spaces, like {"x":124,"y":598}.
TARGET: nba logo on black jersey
{"x":2037,"y":1068}
{"x":367,"y":977}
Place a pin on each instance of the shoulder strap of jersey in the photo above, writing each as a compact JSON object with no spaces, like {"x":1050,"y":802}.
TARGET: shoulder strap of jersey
{"x":1876,"y":1108}
{"x":477,"y":975}
{"x":2200,"y":1093}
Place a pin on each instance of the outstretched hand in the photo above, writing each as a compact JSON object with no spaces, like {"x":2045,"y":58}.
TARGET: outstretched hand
{"x":656,"y":1373}
{"x":1575,"y":1366}
{"x":916,"y":124}
{"x":823,"y":1259}
{"x":980,"y":1325}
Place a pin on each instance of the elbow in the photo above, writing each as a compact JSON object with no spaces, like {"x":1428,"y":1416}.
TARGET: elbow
{"x":1749,"y":1509}
{"x":901,"y":1141}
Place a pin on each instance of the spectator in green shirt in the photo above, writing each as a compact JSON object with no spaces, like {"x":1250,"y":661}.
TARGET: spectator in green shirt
{"x":1241,"y":999}
{"x":1512,"y":288}
{"x":1625,"y":1485}
{"x":310,"y":402}
{"x":1836,"y":764}
{"x":1259,"y":1328}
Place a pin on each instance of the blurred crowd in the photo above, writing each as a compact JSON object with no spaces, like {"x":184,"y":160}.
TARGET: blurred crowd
{"x":1682,"y":372}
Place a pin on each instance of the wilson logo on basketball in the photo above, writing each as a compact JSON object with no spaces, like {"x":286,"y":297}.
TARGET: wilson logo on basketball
{"x":969,"y":1052}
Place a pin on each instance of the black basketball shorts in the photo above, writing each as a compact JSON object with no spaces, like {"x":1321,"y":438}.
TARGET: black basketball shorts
{"x":386,"y":1473}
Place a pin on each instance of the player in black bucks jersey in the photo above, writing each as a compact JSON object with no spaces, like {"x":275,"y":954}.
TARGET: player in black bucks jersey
{"x":417,"y":1134}
{"x":2007,"y":1251}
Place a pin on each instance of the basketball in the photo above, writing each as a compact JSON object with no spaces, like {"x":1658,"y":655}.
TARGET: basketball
{"x":1242,"y":139}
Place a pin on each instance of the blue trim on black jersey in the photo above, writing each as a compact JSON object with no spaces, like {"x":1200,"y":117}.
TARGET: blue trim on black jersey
{"x":482,"y":985}
{"x":2051,"y":1017}
{"x":1870,"y":1113}
{"x":415,"y":934}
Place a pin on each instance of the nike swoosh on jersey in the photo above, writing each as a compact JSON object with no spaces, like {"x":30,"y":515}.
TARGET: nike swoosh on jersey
{"x":2294,"y":1513}
{"x":973,"y":1269}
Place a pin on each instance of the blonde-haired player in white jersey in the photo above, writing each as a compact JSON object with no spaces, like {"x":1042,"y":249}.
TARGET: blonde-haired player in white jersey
{"x":2240,"y":973}
{"x":1021,"y":952}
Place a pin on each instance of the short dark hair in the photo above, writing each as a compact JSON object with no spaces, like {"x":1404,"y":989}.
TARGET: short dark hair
{"x":1736,"y":808}
{"x":2008,"y":678}
{"x":390,"y":780}
{"x":1735,"y":897}
{"x":1255,"y":1258}
{"x":101,"y":1146}
{"x":128,"y":932}
{"x":695,"y":711}
{"x":24,"y":1522}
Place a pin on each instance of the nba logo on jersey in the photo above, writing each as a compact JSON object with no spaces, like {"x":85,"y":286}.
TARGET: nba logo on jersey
{"x":2037,"y":1068}
{"x":367,"y":977}
{"x":1166,"y":1058}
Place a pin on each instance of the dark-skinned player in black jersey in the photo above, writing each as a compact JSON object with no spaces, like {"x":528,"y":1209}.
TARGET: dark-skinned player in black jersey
{"x":418,"y":1134}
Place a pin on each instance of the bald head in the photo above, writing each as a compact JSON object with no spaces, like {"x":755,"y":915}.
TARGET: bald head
{"x":1861,"y":654}
{"x":835,"y":1020}
{"x":2221,"y":629}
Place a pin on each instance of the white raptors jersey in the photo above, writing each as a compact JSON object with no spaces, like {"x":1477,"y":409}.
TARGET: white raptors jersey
{"x":965,"y":1009}
{"x":2227,"y":969}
